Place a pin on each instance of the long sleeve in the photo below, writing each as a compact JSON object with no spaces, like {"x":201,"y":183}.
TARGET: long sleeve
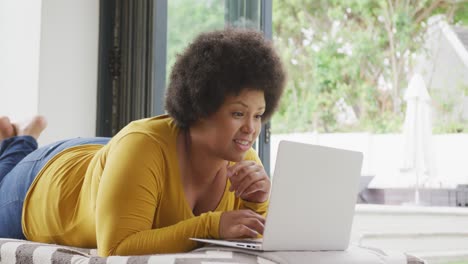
{"x":171,"y":239}
{"x":127,"y":201}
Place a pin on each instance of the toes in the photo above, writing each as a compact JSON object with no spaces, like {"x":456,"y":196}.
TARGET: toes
{"x":6,"y":128}
{"x":33,"y":128}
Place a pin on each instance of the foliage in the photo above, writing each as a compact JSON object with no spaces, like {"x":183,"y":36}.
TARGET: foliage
{"x":188,"y":18}
{"x":350,"y":56}
{"x":449,"y":110}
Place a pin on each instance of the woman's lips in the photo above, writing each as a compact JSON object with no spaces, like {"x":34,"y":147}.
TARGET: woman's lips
{"x":242,"y":144}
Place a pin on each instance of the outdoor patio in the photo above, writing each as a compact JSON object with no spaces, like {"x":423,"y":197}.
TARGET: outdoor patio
{"x":383,"y":157}
{"x":435,"y":230}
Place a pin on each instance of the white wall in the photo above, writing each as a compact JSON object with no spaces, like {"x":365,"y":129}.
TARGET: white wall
{"x":48,"y":64}
{"x":383,"y":156}
{"x":68,"y":68}
{"x":19,"y":57}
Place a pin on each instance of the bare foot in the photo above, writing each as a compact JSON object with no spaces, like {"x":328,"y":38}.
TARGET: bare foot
{"x":33,"y":128}
{"x":6,"y":128}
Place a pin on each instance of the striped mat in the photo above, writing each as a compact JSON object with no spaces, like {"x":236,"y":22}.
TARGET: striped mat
{"x":26,"y":252}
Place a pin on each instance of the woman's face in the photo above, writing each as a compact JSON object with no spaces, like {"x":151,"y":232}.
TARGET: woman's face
{"x":233,"y":129}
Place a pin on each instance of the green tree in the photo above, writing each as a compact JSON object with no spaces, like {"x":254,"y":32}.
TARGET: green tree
{"x":338,"y":52}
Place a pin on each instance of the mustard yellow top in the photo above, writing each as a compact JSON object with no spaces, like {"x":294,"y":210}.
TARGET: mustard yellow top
{"x":125,"y":198}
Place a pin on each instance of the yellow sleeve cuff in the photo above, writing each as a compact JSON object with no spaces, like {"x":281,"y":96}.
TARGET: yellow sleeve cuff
{"x":213,"y":220}
{"x":260,"y":208}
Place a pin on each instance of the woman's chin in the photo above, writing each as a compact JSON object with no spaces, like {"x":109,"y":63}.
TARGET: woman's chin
{"x":236,"y":158}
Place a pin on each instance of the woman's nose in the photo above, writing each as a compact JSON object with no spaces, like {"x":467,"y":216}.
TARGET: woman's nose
{"x":249,"y":126}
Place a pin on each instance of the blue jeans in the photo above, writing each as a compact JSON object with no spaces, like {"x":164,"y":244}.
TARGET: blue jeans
{"x":20,"y":162}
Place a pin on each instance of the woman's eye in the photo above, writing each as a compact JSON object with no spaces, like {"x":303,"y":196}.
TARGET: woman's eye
{"x":237,"y":114}
{"x":259,"y":116}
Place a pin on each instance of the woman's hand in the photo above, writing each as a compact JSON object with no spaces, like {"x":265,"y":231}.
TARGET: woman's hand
{"x":241,"y":224}
{"x":250,"y":181}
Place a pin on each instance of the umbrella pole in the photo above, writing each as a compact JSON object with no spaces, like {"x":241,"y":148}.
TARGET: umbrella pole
{"x":416,"y":195}
{"x":416,"y":186}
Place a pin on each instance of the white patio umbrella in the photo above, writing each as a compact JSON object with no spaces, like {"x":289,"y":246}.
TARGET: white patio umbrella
{"x":418,"y":160}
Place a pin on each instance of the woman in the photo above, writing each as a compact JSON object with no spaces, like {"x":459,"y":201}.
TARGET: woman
{"x":161,"y":180}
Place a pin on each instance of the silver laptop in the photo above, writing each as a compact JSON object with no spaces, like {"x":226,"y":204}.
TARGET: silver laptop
{"x":314,"y":191}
